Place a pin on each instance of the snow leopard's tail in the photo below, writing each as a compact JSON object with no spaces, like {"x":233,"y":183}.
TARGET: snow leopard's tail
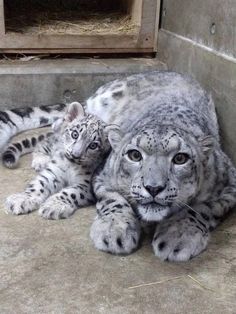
{"x":14,"y":151}
{"x":15,"y":121}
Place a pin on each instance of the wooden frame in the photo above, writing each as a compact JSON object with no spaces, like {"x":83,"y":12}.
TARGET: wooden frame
{"x":145,"y":13}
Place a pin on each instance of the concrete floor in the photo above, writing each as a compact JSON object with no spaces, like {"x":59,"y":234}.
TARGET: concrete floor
{"x":52,"y":267}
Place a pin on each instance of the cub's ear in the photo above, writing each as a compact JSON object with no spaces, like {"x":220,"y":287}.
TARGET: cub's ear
{"x":207,"y":143}
{"x":75,"y":110}
{"x":56,"y":126}
{"x":114,"y":135}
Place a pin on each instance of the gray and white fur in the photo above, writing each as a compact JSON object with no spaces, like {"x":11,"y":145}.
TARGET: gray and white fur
{"x":42,"y":144}
{"x":64,"y":182}
{"x":166,"y":166}
{"x":15,"y":121}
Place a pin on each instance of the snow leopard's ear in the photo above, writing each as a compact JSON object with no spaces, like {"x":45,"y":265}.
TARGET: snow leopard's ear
{"x":56,"y":126}
{"x":114,"y":135}
{"x":74,"y":110}
{"x":207,"y":143}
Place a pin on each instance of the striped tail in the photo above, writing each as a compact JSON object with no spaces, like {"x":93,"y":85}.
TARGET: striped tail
{"x":14,"y":151}
{"x":15,"y":121}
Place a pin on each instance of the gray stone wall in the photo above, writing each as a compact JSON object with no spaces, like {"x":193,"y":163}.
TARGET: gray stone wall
{"x":198,"y":37}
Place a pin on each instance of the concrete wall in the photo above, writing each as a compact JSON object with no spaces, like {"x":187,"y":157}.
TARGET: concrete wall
{"x":51,"y":81}
{"x":208,"y":22}
{"x":199,"y":37}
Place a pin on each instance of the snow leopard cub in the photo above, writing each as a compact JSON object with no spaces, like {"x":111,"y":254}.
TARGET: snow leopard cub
{"x":64,"y":185}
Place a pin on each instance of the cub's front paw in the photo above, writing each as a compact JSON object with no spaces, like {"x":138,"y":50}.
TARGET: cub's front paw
{"x":40,"y":161}
{"x":179,"y":241}
{"x":115,"y":236}
{"x":20,"y":203}
{"x":55,"y":208}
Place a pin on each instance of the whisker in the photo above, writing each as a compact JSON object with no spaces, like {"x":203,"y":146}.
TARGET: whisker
{"x":182,"y":203}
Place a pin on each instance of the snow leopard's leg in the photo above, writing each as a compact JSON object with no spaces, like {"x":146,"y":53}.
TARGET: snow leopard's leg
{"x":49,"y":181}
{"x":40,"y":161}
{"x":44,"y":152}
{"x":181,"y":237}
{"x":64,"y":203}
{"x":186,"y":234}
{"x":116,"y":228}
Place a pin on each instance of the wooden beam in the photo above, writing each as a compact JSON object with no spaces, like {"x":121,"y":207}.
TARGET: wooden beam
{"x":93,"y":51}
{"x":2,"y":18}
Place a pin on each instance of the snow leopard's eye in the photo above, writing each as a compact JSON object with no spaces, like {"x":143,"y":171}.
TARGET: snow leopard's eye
{"x":74,"y":134}
{"x":93,"y":145}
{"x":180,"y":158}
{"x":134,"y":155}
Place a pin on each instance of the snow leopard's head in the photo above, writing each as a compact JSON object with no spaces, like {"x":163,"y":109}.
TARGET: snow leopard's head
{"x":158,"y":170}
{"x":84,"y":138}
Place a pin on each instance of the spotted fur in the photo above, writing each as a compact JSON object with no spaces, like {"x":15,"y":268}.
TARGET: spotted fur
{"x":64,"y":181}
{"x":166,"y":166}
{"x":40,"y":144}
{"x":15,"y":121}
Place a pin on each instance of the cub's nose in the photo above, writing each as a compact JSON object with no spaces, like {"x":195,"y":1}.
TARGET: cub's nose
{"x":154,"y":190}
{"x":76,"y":156}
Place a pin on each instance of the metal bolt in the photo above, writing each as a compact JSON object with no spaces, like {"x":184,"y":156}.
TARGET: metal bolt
{"x":67,"y":95}
{"x":213,"y":29}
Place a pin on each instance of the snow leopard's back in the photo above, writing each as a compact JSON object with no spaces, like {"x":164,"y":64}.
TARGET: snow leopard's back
{"x":166,"y":96}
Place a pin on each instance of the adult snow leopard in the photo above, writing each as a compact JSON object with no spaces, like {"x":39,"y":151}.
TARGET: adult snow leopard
{"x":166,"y":166}
{"x":64,"y":184}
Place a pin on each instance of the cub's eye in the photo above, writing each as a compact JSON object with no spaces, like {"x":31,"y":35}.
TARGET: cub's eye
{"x":74,"y":134}
{"x":180,"y":159}
{"x":134,"y":155}
{"x":93,"y":145}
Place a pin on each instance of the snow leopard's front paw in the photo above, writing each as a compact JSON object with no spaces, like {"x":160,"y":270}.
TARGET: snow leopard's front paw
{"x":179,"y":240}
{"x":20,"y":203}
{"x":40,"y":161}
{"x":115,"y":236}
{"x":55,"y":208}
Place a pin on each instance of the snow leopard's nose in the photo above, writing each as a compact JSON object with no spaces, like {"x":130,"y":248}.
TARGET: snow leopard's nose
{"x":154,"y":190}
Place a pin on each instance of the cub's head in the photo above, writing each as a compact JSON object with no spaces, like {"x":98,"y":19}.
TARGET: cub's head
{"x":158,"y":170}
{"x":84,"y":138}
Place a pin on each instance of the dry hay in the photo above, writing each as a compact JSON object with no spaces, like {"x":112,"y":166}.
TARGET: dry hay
{"x":196,"y":281}
{"x":69,"y":22}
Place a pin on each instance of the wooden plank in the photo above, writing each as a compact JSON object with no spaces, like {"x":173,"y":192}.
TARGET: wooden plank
{"x":93,"y":51}
{"x":2,"y":19}
{"x":67,"y":41}
{"x":157,"y":25}
{"x":149,"y":25}
{"x":134,"y":7}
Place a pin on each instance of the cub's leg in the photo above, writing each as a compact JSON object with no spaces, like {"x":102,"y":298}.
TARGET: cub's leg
{"x":43,"y":152}
{"x":116,"y":228}
{"x":48,"y":182}
{"x":40,"y":161}
{"x":66,"y":202}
